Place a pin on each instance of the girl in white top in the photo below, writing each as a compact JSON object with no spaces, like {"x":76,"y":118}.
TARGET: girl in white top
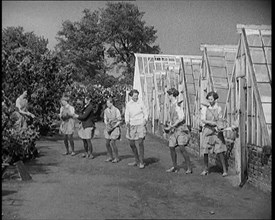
{"x":67,"y":124}
{"x":136,"y":116}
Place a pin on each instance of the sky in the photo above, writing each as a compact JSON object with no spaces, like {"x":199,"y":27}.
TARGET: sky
{"x":182,"y":26}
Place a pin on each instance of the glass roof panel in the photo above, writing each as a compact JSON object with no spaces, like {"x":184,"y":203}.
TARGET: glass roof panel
{"x":254,"y":40}
{"x":217,"y":71}
{"x":261,"y":73}
{"x":257,"y":55}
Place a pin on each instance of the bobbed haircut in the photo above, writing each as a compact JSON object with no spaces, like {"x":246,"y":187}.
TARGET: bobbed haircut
{"x":213,"y":94}
{"x":131,"y":93}
{"x":111,"y":100}
{"x":173,"y":92}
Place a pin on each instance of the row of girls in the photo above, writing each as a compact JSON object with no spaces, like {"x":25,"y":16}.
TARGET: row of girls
{"x":136,"y":118}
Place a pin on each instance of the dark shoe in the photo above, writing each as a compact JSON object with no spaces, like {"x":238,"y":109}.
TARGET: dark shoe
{"x":172,"y":170}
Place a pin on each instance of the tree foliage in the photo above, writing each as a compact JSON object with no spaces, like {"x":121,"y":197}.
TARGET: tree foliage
{"x":126,"y":33}
{"x":108,"y":35}
{"x":27,"y":64}
{"x":79,"y":44}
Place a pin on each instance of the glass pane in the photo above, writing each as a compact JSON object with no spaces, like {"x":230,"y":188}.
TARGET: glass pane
{"x":267,"y":112}
{"x":142,"y":82}
{"x":196,"y":71}
{"x":229,"y":67}
{"x":267,"y":40}
{"x":261,"y":73}
{"x":230,"y":56}
{"x":222,"y":95}
{"x":268,"y":54}
{"x":187,"y":69}
{"x":265,"y":91}
{"x":254,"y":40}
{"x":218,"y":62}
{"x":190,"y":88}
{"x":189,"y":78}
{"x":140,"y":65}
{"x":257,"y":55}
{"x":220,"y":82}
{"x":151,"y":67}
{"x":145,"y":65}
{"x":215,"y":53}
{"x":158,"y":66}
{"x":217,"y":71}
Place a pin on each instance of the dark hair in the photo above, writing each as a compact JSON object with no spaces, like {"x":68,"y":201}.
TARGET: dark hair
{"x":173,"y":92}
{"x":131,"y":93}
{"x":111,"y":100}
{"x":213,"y":94}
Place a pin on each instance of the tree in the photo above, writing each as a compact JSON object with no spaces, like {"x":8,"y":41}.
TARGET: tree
{"x":125,"y":33}
{"x":79,"y":44}
{"x":27,"y":64}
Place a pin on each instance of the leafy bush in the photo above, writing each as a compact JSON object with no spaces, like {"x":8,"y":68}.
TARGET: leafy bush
{"x":27,"y":64}
{"x":16,"y":144}
{"x":77,"y":92}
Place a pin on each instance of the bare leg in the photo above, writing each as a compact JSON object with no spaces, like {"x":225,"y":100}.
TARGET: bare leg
{"x":71,"y":140}
{"x":85,"y":146}
{"x":134,"y":149}
{"x":114,"y":148}
{"x":109,"y":149}
{"x":223,"y":163}
{"x":90,"y":147}
{"x":141,"y":150}
{"x":173,"y":154}
{"x":186,"y":157}
{"x":66,"y":142}
{"x":205,"y":159}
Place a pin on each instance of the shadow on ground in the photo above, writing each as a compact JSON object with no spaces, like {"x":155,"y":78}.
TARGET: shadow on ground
{"x":151,"y":160}
{"x":8,"y":192}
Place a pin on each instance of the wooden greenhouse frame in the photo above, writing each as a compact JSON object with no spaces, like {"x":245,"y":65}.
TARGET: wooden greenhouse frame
{"x":155,"y":74}
{"x":217,"y":66}
{"x":249,"y":97}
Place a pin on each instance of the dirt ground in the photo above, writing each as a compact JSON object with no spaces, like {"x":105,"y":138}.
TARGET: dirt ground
{"x":66,"y":187}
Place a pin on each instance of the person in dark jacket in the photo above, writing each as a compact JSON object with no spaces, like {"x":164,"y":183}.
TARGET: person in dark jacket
{"x":87,"y":127}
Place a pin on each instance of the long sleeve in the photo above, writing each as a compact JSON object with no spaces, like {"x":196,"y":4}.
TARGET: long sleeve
{"x":60,"y":112}
{"x":87,"y":112}
{"x":219,"y":112}
{"x":72,"y":110}
{"x":105,"y":117}
{"x":118,"y":115}
{"x":17,"y":104}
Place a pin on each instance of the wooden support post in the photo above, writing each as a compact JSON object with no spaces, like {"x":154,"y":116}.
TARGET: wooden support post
{"x":153,"y":111}
{"x":187,"y":111}
{"x":249,"y":106}
{"x":253,"y":119}
{"x":242,"y":132}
